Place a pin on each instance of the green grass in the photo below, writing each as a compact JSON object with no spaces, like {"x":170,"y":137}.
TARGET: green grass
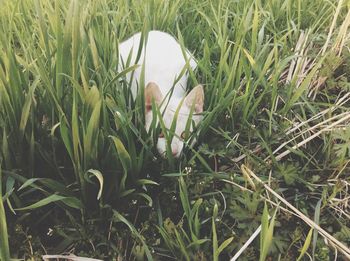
{"x":80,"y":172}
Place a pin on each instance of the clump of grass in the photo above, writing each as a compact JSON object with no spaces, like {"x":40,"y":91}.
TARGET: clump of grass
{"x":4,"y":243}
{"x":77,"y":160}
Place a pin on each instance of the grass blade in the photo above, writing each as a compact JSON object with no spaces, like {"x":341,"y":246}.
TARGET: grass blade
{"x":4,"y":244}
{"x":306,"y":244}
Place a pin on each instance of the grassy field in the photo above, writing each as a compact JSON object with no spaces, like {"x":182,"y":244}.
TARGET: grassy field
{"x":79,"y":174}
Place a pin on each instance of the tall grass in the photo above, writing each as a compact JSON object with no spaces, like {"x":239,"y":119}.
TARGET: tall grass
{"x":4,"y":244}
{"x":73,"y":140}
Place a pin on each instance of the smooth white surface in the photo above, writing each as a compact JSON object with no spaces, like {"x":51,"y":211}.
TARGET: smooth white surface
{"x":164,"y":61}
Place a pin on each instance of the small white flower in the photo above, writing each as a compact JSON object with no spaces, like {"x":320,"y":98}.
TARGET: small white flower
{"x":50,"y":232}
